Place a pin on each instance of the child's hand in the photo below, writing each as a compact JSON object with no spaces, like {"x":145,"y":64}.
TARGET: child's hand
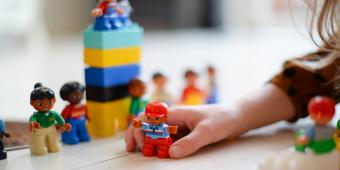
{"x":198,"y":126}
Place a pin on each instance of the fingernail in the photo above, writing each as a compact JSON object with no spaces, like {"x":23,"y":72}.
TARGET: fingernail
{"x":175,"y":152}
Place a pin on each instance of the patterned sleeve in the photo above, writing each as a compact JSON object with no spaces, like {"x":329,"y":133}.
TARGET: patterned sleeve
{"x":305,"y":77}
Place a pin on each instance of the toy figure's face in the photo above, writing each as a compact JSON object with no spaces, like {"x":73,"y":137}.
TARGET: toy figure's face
{"x":43,"y":105}
{"x":155,"y":120}
{"x":191,"y":79}
{"x":75,"y":97}
{"x":160,"y":82}
{"x":211,"y":72}
{"x":137,"y":90}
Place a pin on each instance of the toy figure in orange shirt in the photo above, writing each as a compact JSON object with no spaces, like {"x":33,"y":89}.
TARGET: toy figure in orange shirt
{"x":191,"y":94}
{"x":75,"y":113}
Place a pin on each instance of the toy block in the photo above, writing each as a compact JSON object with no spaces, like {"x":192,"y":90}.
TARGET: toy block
{"x":112,"y":57}
{"x":103,"y":116}
{"x":105,"y":94}
{"x":111,"y":76}
{"x":130,"y":36}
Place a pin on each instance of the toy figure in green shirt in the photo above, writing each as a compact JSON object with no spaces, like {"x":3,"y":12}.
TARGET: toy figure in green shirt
{"x":44,"y":122}
{"x":136,"y":89}
{"x":320,"y":137}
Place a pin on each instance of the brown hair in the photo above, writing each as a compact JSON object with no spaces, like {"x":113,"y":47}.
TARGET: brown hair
{"x":326,"y":20}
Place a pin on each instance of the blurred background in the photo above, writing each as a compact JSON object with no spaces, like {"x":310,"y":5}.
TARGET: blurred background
{"x":246,"y":40}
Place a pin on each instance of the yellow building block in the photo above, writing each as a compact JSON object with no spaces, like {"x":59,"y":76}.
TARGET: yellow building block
{"x":112,"y":57}
{"x":106,"y":117}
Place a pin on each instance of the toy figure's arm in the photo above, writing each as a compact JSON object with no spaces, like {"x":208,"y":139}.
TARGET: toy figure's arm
{"x":66,"y":112}
{"x":61,"y":122}
{"x":99,"y":10}
{"x":173,"y":130}
{"x":33,"y":123}
{"x":301,"y":140}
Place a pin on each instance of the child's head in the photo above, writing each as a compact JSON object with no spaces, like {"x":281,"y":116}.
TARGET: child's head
{"x":72,"y":92}
{"x":191,"y":77}
{"x":42,"y":98}
{"x":159,"y":80}
{"x":321,"y":109}
{"x":136,"y":88}
{"x":156,"y":113}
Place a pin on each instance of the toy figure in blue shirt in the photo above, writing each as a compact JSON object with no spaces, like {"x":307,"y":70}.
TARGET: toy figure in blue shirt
{"x":107,"y":15}
{"x":212,"y":86}
{"x":126,"y":9}
{"x":157,"y":133}
{"x":3,"y":133}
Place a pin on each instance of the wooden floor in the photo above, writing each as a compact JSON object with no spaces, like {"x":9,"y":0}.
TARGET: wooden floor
{"x":109,"y":153}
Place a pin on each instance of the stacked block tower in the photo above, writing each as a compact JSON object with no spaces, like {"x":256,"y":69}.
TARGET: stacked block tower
{"x":112,"y":54}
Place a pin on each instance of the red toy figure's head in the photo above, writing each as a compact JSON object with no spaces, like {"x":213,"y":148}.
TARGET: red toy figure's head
{"x":321,"y":109}
{"x":156,"y":113}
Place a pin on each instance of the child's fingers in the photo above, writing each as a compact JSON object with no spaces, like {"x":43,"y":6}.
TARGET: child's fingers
{"x":190,"y":143}
{"x":139,"y":138}
{"x":129,"y":140}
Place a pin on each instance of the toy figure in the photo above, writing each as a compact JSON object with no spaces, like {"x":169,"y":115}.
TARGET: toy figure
{"x":126,"y":9}
{"x":320,"y":138}
{"x":107,"y":15}
{"x":212,"y":86}
{"x":160,"y":94}
{"x":157,"y":133}
{"x":136,"y":89}
{"x":191,"y":94}
{"x":3,"y":133}
{"x":75,"y":113}
{"x":44,"y":136}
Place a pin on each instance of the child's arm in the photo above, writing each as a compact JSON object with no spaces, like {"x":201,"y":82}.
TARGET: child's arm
{"x":212,"y":123}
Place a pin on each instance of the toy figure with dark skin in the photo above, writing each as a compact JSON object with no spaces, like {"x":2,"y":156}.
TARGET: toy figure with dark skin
{"x":75,"y":113}
{"x":157,"y":133}
{"x":320,"y":137}
{"x":107,"y":15}
{"x":44,"y":136}
{"x":3,"y":133}
{"x":136,"y":90}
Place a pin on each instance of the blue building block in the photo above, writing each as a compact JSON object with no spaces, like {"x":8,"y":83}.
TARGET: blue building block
{"x":111,"y":76}
{"x":128,"y":36}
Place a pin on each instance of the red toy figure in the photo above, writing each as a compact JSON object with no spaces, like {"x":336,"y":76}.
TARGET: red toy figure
{"x":192,"y":95}
{"x":157,"y":133}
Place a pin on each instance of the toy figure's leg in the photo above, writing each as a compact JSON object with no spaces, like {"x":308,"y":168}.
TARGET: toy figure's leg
{"x":163,"y":147}
{"x":82,"y":130}
{"x":102,"y":23}
{"x":149,"y":149}
{"x":38,"y":142}
{"x":125,"y":20}
{"x":115,"y":23}
{"x":53,"y":144}
{"x":3,"y":153}
{"x":71,"y":137}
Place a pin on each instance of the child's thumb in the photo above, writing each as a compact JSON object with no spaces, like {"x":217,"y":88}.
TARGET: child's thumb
{"x":186,"y":145}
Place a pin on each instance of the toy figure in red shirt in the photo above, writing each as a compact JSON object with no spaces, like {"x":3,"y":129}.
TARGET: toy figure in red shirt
{"x":157,"y":133}
{"x":191,"y":94}
{"x":75,"y":113}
